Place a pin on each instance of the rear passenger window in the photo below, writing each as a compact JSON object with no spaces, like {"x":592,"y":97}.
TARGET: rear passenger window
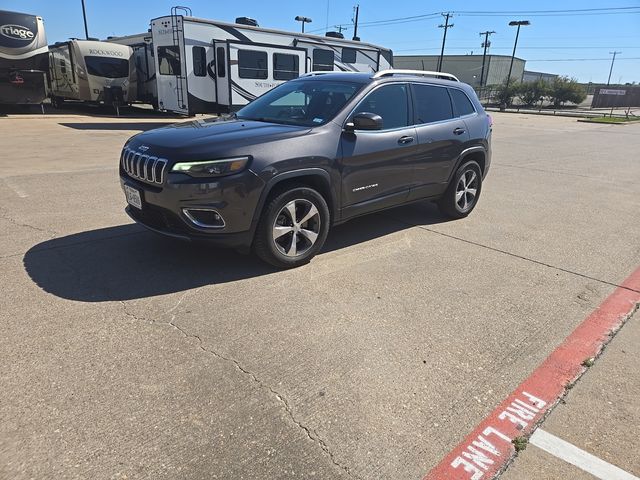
{"x":432,"y":104}
{"x":390,"y":102}
{"x":462,"y":102}
{"x":199,"y":61}
{"x":322,"y":60}
{"x":252,"y":64}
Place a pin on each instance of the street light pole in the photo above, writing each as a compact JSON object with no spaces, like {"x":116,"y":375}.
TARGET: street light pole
{"x":303,"y":20}
{"x":446,"y":27}
{"x":512,"y":24}
{"x":518,"y":23}
{"x":486,"y":45}
{"x":84,"y":15}
{"x":612,"y":61}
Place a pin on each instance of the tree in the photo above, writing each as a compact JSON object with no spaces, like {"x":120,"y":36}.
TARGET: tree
{"x":565,"y":89}
{"x":504,"y":94}
{"x":533,"y":92}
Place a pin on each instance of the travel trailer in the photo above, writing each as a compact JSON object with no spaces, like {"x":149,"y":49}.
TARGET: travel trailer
{"x":24,"y":59}
{"x":92,"y":71}
{"x":143,"y":60}
{"x":191,"y":65}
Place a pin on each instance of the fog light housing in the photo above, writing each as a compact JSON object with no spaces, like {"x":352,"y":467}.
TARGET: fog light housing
{"x":204,"y":217}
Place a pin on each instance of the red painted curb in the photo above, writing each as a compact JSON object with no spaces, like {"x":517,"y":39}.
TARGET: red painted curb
{"x":486,"y":450}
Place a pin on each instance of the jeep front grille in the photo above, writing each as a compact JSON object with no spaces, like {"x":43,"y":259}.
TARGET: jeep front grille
{"x":143,"y":167}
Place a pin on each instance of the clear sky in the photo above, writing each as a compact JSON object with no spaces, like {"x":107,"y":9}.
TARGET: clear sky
{"x":575,"y":44}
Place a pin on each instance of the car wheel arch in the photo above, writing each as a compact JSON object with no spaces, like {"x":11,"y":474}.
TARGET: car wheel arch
{"x":476,"y":153}
{"x":317,"y":178}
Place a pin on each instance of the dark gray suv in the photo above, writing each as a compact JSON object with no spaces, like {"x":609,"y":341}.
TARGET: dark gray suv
{"x":313,"y":152}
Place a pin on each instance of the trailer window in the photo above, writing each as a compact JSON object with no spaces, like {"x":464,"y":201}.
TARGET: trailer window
{"x":252,"y":64}
{"x":107,"y":67}
{"x":349,"y":55}
{"x":169,"y":60}
{"x":285,"y":67}
{"x":199,"y":61}
{"x":322,"y":60}
{"x":220,"y":62}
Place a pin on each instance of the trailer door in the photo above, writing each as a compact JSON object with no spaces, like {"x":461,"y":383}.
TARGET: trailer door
{"x":170,"y":62}
{"x":256,"y":69}
{"x":222,"y":74}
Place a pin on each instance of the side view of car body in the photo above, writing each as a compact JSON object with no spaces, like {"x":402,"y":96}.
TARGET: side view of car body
{"x":313,"y":152}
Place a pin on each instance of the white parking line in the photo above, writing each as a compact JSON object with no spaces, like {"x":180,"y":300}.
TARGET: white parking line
{"x":575,"y":456}
{"x":16,"y":189}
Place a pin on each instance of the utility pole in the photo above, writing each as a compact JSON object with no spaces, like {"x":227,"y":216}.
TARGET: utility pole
{"x":486,"y":44}
{"x":612,"y":61}
{"x":446,"y":27}
{"x":340,"y":28}
{"x":355,"y":28}
{"x":84,"y":15}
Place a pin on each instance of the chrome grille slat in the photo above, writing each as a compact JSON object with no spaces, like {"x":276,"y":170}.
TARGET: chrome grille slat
{"x":143,"y":167}
{"x":136,"y":165}
{"x":153,"y":169}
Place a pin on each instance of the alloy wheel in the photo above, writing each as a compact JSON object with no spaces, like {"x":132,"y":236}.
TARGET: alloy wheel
{"x":296,"y":227}
{"x":467,"y":190}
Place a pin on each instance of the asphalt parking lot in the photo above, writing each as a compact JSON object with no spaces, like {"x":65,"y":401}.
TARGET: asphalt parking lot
{"x":126,"y":355}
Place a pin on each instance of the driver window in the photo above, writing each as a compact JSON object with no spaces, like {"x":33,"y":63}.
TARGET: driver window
{"x":391,"y":102}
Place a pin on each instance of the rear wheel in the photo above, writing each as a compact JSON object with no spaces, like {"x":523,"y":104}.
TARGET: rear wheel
{"x":293,"y":227}
{"x":463,"y":192}
{"x":57,"y":102}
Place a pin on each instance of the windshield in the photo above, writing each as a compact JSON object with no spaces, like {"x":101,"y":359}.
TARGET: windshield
{"x":308,"y":103}
{"x":107,"y":67}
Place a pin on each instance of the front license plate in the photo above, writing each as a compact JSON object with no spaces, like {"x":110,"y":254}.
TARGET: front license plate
{"x":133,"y":196}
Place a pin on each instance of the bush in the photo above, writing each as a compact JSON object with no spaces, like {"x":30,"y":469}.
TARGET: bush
{"x":533,"y":92}
{"x":565,"y":89}
{"x":504,"y":94}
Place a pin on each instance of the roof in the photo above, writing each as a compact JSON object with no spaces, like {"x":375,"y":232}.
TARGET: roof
{"x":363,"y":77}
{"x":298,"y":35}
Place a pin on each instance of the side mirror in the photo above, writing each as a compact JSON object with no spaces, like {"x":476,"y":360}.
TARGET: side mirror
{"x":364,"y":121}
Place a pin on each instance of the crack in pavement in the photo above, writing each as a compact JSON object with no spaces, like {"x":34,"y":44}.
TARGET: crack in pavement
{"x":4,"y":216}
{"x":505,"y":252}
{"x":310,"y":433}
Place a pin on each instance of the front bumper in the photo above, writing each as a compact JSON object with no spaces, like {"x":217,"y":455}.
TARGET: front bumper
{"x":234,"y":197}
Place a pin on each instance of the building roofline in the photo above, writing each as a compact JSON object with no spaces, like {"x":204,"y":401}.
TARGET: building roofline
{"x":456,"y":56}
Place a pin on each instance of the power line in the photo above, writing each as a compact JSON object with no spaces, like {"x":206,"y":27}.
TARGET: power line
{"x":579,"y":59}
{"x":505,"y":13}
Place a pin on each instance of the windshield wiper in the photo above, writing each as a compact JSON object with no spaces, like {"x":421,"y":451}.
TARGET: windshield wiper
{"x":270,"y":120}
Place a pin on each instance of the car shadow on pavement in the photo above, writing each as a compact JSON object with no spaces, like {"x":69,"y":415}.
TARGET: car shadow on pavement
{"x":127,"y":262}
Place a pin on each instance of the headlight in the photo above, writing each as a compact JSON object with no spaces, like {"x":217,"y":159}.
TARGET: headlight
{"x":212,"y":168}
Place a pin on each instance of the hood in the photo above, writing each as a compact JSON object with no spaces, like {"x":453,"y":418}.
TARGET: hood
{"x":212,"y":137}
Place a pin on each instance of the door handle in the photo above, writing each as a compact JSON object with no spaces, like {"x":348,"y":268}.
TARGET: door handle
{"x":404,"y":140}
{"x":459,"y":131}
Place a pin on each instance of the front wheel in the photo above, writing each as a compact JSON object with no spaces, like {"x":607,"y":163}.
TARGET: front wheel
{"x":463,"y":192}
{"x":293,"y":227}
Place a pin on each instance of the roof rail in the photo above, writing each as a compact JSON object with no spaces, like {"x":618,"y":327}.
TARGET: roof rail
{"x":420,"y":73}
{"x":313,"y":74}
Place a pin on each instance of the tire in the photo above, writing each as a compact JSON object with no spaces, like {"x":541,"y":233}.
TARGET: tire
{"x":277,"y":228}
{"x":463,"y":192}
{"x":57,"y":102}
